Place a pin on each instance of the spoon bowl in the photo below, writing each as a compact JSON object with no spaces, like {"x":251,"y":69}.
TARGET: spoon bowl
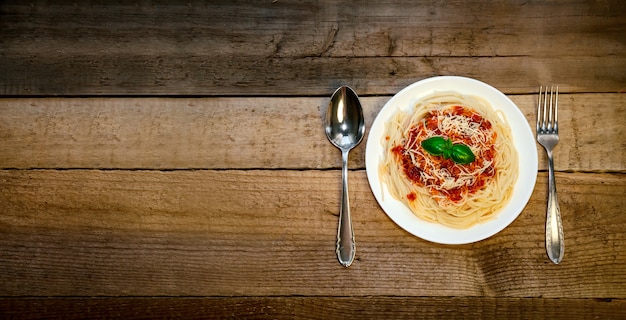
{"x":345,"y":128}
{"x":345,"y":125}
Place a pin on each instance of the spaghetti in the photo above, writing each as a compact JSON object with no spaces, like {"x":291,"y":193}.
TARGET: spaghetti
{"x":437,"y":188}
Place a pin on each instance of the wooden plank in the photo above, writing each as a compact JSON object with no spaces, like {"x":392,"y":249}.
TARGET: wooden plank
{"x":258,"y":233}
{"x":243,"y":133}
{"x":305,"y":48}
{"x":244,"y":76}
{"x":331,"y":28}
{"x":374,"y":307}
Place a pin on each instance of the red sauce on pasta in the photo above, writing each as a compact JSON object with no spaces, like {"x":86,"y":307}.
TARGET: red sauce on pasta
{"x":443,"y":177}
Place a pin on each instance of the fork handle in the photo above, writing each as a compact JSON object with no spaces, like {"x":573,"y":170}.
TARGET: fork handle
{"x":554,"y":228}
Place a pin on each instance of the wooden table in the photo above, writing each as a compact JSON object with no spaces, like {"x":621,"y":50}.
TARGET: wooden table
{"x":168,"y":160}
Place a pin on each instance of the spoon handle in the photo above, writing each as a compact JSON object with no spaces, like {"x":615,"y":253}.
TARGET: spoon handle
{"x":346,"y":246}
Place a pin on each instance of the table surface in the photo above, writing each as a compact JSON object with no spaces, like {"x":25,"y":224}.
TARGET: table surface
{"x":162,"y":159}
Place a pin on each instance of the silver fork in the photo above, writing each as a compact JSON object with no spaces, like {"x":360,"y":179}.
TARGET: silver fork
{"x":548,"y":137}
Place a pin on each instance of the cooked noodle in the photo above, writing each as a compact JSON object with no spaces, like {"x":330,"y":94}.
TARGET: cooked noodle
{"x":440,"y":190}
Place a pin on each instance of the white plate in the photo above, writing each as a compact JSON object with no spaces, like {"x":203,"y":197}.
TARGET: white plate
{"x":522,"y":137}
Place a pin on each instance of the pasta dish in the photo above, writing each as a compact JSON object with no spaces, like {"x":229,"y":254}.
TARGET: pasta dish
{"x":451,"y":160}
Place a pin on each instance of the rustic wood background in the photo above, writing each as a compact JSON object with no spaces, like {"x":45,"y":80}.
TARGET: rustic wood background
{"x":167,"y":159}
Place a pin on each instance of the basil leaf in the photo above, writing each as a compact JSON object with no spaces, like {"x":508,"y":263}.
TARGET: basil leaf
{"x":462,"y":154}
{"x":435,"y":145}
{"x":440,"y":146}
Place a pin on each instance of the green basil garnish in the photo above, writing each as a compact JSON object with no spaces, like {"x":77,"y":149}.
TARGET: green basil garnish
{"x":462,"y":154}
{"x":439,"y":146}
{"x":436,"y":145}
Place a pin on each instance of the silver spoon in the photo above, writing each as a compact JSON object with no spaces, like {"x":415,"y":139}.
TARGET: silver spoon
{"x":345,"y":127}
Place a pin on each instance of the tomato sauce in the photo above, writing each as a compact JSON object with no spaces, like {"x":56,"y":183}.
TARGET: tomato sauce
{"x":422,"y":175}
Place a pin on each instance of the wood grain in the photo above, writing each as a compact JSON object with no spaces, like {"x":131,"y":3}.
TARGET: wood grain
{"x":374,"y":307}
{"x":166,"y":159}
{"x":251,"y":133}
{"x":306,"y":48}
{"x":188,"y":233}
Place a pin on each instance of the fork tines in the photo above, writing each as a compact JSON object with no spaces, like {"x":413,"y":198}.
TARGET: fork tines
{"x":547,"y":112}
